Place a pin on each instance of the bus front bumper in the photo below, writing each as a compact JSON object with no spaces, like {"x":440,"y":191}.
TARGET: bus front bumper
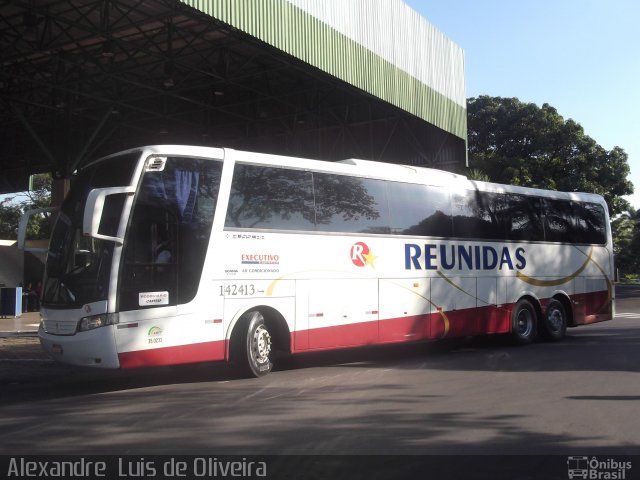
{"x":94,"y":348}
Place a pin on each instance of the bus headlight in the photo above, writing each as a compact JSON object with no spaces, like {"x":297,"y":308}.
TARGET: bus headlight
{"x":97,"y":321}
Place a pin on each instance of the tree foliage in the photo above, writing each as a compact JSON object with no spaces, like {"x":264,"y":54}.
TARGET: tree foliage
{"x":626,"y":245}
{"x":9,"y":218}
{"x":522,"y":144}
{"x":12,"y":208}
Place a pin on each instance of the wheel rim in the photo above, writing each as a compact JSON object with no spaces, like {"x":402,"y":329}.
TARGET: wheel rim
{"x":261,"y":344}
{"x":555,"y":319}
{"x":524,"y":323}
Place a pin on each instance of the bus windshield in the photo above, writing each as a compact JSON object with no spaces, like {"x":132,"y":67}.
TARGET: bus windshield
{"x":77,"y":267}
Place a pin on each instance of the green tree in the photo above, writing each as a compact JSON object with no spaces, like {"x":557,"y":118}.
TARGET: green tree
{"x":476,"y":174}
{"x":626,"y":246}
{"x":12,"y":208}
{"x":9,"y":217}
{"x":522,"y":144}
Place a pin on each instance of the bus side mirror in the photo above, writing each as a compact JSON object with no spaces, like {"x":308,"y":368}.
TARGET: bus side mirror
{"x":22,"y":227}
{"x":94,"y":209}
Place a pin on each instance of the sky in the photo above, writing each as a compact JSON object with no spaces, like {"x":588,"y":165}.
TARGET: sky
{"x":582,"y":57}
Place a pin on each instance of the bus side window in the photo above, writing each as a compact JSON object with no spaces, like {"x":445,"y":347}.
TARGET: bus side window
{"x":478,"y":215}
{"x":590,"y":223}
{"x":350,"y":204}
{"x":524,"y":218}
{"x":270,"y":197}
{"x":558,"y":221}
{"x":420,"y":210}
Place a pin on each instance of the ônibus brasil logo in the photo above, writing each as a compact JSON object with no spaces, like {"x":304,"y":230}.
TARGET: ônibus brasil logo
{"x":361,"y":255}
{"x":595,"y":468}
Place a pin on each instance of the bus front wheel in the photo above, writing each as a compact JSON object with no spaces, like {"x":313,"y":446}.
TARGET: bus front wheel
{"x":523,"y":322}
{"x":254,"y":350}
{"x":554,"y":323}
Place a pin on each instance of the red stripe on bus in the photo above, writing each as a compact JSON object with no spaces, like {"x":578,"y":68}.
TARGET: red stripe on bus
{"x":472,"y":321}
{"x":197,"y":352}
{"x":587,"y":308}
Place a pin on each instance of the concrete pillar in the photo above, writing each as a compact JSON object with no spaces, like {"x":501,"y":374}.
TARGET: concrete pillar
{"x":59,"y":190}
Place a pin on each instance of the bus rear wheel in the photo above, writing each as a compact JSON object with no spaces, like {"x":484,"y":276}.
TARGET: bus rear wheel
{"x":554,"y":322}
{"x":523,"y":322}
{"x":254,"y":350}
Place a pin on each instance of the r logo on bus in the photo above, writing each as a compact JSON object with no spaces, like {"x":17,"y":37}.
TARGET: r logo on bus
{"x":361,"y":255}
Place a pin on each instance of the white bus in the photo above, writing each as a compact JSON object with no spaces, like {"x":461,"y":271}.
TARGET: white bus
{"x":174,"y":254}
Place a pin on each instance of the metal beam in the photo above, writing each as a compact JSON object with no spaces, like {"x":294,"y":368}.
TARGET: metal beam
{"x":33,"y":133}
{"x":88,"y":143}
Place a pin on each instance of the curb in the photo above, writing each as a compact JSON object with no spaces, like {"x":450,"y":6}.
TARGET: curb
{"x":18,"y":334}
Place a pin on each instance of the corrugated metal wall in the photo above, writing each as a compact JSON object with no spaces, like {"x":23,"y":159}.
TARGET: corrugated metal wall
{"x":398,"y":34}
{"x":380,"y":46}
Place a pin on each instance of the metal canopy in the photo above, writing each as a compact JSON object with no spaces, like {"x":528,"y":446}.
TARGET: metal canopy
{"x":83,"y":78}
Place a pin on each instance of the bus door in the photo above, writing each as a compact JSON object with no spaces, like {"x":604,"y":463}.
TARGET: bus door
{"x":164,"y":254}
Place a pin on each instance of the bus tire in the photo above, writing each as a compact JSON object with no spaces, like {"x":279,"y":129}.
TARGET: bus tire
{"x":554,"y":322}
{"x":255,"y":346}
{"x":523,"y":322}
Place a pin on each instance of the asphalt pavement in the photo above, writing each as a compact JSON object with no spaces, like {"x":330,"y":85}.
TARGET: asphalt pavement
{"x":478,"y":396}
